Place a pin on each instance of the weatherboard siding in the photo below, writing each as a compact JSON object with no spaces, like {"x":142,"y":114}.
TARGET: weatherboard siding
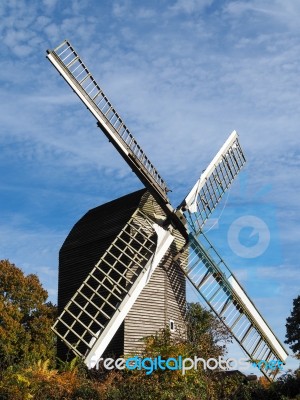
{"x":86,"y":243}
{"x":162,"y":299}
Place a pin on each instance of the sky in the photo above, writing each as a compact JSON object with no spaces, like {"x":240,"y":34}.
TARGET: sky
{"x":183,"y":74}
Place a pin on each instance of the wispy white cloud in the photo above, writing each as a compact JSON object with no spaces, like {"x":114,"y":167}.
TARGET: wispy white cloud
{"x":146,"y":13}
{"x":121,"y":8}
{"x":50,"y":3}
{"x":189,"y":6}
{"x":282,"y":273}
{"x":285,"y":12}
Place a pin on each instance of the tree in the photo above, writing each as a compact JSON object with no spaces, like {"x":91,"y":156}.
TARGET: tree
{"x":206,"y":335}
{"x":206,"y":338}
{"x":25,"y":318}
{"x":293,"y":328}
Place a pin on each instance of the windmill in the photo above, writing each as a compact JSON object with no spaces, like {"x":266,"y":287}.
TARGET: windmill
{"x":119,"y":255}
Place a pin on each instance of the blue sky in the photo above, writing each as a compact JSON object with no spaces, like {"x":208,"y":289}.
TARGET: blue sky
{"x":183,"y":74}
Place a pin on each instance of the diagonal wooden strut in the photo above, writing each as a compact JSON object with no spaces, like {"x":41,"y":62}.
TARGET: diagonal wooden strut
{"x":98,"y":308}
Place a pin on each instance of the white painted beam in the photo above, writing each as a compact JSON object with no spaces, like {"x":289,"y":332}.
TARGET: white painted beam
{"x":164,"y":240}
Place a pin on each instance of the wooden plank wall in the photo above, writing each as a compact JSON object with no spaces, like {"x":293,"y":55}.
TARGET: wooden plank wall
{"x":164,"y":297}
{"x":161,"y":300}
{"x":84,"y":246}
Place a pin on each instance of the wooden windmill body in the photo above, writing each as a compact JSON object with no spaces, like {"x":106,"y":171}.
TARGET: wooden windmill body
{"x":161,"y":303}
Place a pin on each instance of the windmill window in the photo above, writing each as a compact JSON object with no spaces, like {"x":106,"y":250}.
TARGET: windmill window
{"x":172,"y":325}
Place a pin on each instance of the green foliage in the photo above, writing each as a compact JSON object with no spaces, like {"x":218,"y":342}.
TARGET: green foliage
{"x":27,"y":351}
{"x":40,"y":381}
{"x":206,"y":335}
{"x":288,"y":386}
{"x":293,"y":328}
{"x":25,"y":318}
